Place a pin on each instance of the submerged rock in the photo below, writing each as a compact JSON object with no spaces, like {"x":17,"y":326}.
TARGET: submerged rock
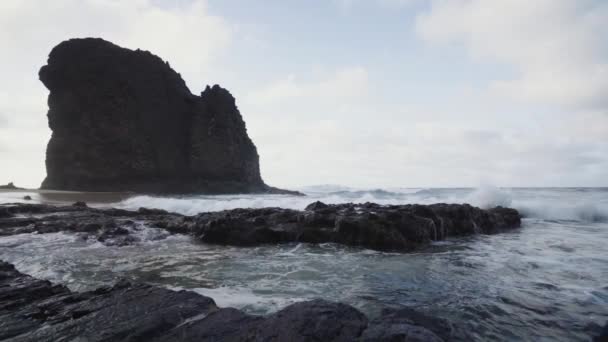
{"x":369,"y":225}
{"x":37,"y":310}
{"x":123,"y":120}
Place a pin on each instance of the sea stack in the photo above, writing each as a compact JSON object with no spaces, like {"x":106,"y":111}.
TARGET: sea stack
{"x":123,"y":120}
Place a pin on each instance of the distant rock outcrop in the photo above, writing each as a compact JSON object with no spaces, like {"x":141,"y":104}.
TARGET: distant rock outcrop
{"x":123,"y":120}
{"x":10,"y":186}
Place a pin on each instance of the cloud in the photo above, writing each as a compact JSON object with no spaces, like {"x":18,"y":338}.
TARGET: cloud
{"x":556,"y":53}
{"x":425,"y":153}
{"x":341,"y":84}
{"x":311,"y":116}
{"x":187,"y":35}
{"x":347,"y":4}
{"x":556,"y":47}
{"x":338,"y":127}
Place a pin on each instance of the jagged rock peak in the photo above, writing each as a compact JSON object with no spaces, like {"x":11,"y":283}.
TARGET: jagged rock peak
{"x":123,"y":120}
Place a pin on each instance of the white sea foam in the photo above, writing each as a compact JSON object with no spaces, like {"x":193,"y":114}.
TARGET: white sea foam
{"x":245,"y":298}
{"x":198,"y":204}
{"x":15,"y":196}
{"x":589,"y":205}
{"x":585,"y":212}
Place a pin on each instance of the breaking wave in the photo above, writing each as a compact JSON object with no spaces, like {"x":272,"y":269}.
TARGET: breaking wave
{"x":567,"y":204}
{"x":585,"y":205}
{"x":584,"y":212}
{"x":490,"y":197}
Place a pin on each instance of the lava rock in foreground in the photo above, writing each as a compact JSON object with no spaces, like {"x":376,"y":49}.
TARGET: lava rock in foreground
{"x":124,"y":120}
{"x":36,"y":310}
{"x":381,"y":227}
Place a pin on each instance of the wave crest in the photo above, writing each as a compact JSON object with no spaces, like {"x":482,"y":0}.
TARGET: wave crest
{"x":584,"y":212}
{"x":548,"y":204}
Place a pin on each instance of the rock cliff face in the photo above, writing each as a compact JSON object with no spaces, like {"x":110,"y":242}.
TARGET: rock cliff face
{"x":123,"y":120}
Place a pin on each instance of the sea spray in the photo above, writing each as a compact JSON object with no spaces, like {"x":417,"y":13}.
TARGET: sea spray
{"x":487,"y":196}
{"x":574,"y":204}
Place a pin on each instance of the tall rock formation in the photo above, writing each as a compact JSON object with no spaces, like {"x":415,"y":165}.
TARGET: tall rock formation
{"x":123,"y":120}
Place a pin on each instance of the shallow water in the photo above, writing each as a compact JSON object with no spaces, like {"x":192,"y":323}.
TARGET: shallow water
{"x":545,"y":281}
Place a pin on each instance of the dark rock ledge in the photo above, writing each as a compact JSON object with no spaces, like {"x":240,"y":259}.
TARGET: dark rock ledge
{"x":369,"y":225}
{"x":36,"y":310}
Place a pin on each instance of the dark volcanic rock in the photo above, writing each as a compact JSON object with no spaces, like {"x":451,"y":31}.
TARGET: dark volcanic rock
{"x":317,"y":320}
{"x":407,"y":325}
{"x":123,"y":120}
{"x":36,"y":310}
{"x":391,"y":227}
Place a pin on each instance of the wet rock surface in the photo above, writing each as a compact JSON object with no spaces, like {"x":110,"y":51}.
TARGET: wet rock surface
{"x":37,"y":310}
{"x":407,"y":325}
{"x":369,"y":225}
{"x":124,"y":120}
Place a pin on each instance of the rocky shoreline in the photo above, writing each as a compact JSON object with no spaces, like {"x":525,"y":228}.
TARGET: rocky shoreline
{"x":37,"y":310}
{"x":388,"y":228}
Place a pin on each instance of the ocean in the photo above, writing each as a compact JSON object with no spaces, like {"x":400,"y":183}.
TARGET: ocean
{"x":547,"y":280}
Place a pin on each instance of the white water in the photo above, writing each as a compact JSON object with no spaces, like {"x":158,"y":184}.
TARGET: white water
{"x":575,"y":204}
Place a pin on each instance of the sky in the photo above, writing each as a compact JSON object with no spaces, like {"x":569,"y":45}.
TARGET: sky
{"x":364,"y":93}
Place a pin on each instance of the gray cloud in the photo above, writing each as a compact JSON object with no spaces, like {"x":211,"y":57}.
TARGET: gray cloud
{"x":556,"y":46}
